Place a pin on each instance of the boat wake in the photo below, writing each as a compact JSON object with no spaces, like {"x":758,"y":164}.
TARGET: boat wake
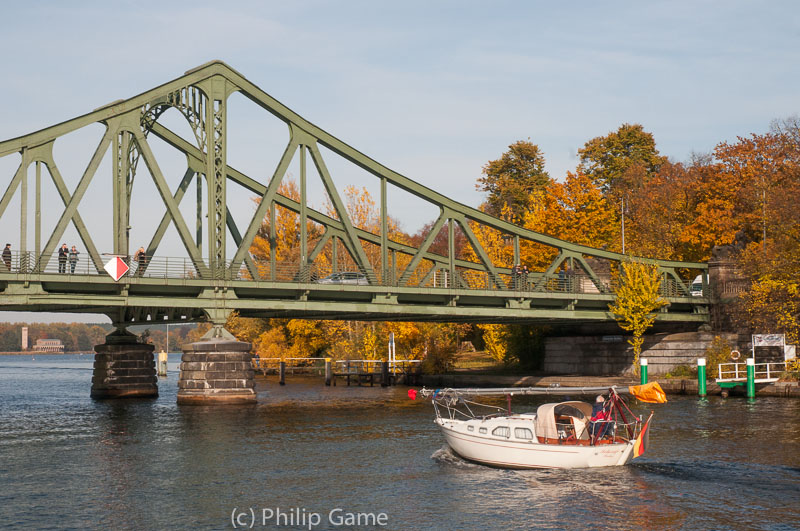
{"x":446,"y":456}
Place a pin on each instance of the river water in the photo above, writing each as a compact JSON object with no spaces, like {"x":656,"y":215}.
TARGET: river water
{"x":310,"y":457}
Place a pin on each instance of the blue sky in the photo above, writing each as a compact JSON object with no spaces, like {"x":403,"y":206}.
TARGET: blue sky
{"x":431,"y":89}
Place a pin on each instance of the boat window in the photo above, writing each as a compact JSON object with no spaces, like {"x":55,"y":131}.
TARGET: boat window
{"x":523,"y":433}
{"x":471,"y":428}
{"x":501,"y":431}
{"x":482,"y":430}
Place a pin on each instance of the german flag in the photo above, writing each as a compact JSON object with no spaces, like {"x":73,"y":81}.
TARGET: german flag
{"x":643,"y":440}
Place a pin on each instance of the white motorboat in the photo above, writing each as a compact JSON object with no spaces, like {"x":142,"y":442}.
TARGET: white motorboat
{"x":557,"y":435}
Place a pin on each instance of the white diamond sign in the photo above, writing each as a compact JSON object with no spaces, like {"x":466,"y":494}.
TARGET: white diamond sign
{"x":116,"y":267}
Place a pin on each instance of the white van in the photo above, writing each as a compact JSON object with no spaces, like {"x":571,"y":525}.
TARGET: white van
{"x":696,"y":289}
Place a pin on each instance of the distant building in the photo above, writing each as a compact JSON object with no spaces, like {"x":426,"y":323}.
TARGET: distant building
{"x":48,"y":345}
{"x":24,"y":338}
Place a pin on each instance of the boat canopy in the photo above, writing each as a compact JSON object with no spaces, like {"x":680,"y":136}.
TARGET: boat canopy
{"x":546,"y":417}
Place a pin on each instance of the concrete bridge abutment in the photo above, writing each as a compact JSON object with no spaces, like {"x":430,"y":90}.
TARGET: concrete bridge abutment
{"x":124,"y":368}
{"x":217,"y":371}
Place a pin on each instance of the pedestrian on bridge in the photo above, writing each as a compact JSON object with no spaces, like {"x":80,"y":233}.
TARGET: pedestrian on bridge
{"x":7,"y":256}
{"x":63,"y":254}
{"x":141,"y":261}
{"x":73,"y":259}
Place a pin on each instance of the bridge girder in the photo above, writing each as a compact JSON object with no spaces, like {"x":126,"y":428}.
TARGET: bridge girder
{"x":201,"y":96}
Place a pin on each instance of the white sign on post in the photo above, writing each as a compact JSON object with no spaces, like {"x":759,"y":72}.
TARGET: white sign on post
{"x":768,"y":340}
{"x":116,"y":268}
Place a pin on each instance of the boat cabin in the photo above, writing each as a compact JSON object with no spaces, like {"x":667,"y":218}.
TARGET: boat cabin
{"x":563,"y":422}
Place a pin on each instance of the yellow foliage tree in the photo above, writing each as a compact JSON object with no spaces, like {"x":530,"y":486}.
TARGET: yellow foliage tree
{"x":364,"y":214}
{"x":496,"y":338}
{"x":574,"y":210}
{"x":308,"y":337}
{"x":773,"y":305}
{"x":371,"y":340}
{"x":272,"y":343}
{"x":637,"y":297}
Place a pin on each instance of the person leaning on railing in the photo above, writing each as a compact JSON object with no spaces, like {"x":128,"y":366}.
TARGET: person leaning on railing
{"x":141,"y":261}
{"x":73,"y":259}
{"x":7,"y":256}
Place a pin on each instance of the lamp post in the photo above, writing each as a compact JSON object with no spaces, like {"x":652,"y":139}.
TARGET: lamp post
{"x":622,"y":211}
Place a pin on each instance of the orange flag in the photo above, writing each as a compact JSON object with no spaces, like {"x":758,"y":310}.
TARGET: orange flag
{"x":649,"y":392}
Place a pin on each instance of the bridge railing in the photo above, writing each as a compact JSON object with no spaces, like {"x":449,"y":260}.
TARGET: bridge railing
{"x":290,"y":271}
{"x":158,"y":267}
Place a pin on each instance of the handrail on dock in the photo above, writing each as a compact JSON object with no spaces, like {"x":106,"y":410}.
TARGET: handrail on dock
{"x":737,"y":372}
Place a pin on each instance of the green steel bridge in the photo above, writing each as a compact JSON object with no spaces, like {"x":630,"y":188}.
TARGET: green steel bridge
{"x":394,"y":280}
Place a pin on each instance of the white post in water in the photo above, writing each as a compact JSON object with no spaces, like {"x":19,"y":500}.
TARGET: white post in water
{"x":162,"y":363}
{"x":392,"y":352}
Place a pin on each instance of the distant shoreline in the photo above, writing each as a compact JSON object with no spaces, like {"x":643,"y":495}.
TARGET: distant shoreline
{"x":36,"y":353}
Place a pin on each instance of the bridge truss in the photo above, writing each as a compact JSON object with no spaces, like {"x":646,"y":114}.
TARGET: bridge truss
{"x":397,"y":281}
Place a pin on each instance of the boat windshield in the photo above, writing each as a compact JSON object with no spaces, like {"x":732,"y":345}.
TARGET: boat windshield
{"x":568,"y":410}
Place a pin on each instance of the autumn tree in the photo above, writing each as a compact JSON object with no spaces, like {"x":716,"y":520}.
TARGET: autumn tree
{"x":773,"y":305}
{"x":496,"y":336}
{"x":287,"y":231}
{"x":364,"y":214}
{"x":440,"y":244}
{"x":621,"y":159}
{"x":278,"y":338}
{"x":757,"y":169}
{"x":636,"y":299}
{"x":772,"y":264}
{"x":574,"y":210}
{"x":512,"y":178}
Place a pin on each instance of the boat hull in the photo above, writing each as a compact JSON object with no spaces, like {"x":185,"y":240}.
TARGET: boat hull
{"x":507,"y":453}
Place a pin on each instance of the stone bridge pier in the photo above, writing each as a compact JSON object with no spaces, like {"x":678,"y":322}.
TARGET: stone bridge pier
{"x":217,"y":370}
{"x":124,"y":368}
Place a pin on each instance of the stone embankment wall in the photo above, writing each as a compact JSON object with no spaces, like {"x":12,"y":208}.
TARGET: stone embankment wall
{"x":608,"y":355}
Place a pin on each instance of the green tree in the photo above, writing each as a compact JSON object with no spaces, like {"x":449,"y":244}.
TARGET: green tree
{"x":512,"y":178}
{"x":621,"y":159}
{"x":637,"y":297}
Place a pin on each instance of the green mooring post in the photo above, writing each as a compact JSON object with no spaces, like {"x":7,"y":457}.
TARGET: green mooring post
{"x":282,"y":373}
{"x":701,"y":377}
{"x":643,"y":370}
{"x":751,"y":378}
{"x":328,"y":372}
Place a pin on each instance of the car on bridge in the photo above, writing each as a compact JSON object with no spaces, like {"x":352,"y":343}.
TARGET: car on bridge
{"x":346,"y":277}
{"x":696,"y":289}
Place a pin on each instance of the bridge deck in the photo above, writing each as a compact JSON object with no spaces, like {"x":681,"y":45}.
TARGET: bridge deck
{"x":171,"y":289}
